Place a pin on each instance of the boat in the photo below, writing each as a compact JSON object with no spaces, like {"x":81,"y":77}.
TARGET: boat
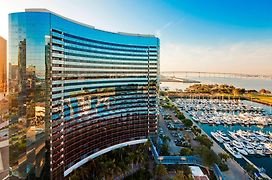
{"x":237,"y":144}
{"x":259,"y":152}
{"x":223,"y":136}
{"x":210,"y":121}
{"x":217,"y":137}
{"x":250,"y":151}
{"x":242,"y":151}
{"x":233,"y":135}
{"x":232,"y":151}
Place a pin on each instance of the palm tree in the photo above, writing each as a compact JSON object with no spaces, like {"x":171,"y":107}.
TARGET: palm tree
{"x":179,"y":176}
{"x":84,"y":171}
{"x":224,"y":156}
{"x":147,"y":144}
{"x":123,"y":166}
{"x":138,"y":157}
{"x":75,"y":176}
{"x":108,"y":169}
{"x":161,"y":171}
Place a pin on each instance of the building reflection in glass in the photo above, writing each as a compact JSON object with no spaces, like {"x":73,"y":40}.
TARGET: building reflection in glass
{"x":76,"y":92}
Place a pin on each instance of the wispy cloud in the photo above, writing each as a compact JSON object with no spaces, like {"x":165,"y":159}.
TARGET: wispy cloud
{"x":244,"y":57}
{"x":160,"y":31}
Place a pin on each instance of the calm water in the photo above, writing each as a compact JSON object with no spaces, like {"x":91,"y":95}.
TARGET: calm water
{"x":249,"y":83}
{"x":265,"y":162}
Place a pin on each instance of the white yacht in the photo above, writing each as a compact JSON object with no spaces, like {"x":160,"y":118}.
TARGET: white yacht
{"x":217,"y":137}
{"x":242,"y":151}
{"x":259,"y":152}
{"x":232,"y":151}
{"x":237,"y":144}
{"x":250,"y":151}
{"x":223,"y":136}
{"x":233,"y":135}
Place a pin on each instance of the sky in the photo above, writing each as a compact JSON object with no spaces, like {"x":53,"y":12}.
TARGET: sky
{"x":210,"y":35}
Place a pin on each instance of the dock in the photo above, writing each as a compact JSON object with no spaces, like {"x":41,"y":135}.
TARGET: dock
{"x":235,"y":170}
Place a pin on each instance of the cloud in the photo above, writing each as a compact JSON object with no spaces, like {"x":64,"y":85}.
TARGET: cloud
{"x":242,"y":57}
{"x":160,"y":31}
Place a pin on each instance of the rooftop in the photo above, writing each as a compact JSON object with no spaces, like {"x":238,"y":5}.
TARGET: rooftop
{"x":83,"y":24}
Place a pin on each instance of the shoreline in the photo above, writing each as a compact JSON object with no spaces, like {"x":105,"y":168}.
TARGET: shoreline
{"x":177,"y":79}
{"x":175,"y":94}
{"x":258,"y":101}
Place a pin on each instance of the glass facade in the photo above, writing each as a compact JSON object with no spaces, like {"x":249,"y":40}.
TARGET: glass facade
{"x":76,"y":91}
{"x":3,"y":65}
{"x":4,"y":120}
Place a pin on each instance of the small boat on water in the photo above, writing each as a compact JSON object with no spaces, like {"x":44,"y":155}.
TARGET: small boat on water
{"x":223,"y":136}
{"x":233,"y":135}
{"x":250,"y":151}
{"x":242,"y":151}
{"x":259,"y":152}
{"x":217,"y":137}
{"x":232,"y":151}
{"x":237,"y":144}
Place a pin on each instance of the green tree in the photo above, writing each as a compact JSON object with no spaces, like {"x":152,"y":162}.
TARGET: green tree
{"x":223,"y":166}
{"x":165,"y":150}
{"x":162,"y":93}
{"x":179,"y":176}
{"x":180,"y":116}
{"x":224,"y":156}
{"x":250,"y":168}
{"x":184,"y":168}
{"x":161,"y":170}
{"x":204,"y":140}
{"x":142,"y":174}
{"x":187,"y":122}
{"x":185,"y":152}
{"x":208,"y":156}
{"x":75,"y":175}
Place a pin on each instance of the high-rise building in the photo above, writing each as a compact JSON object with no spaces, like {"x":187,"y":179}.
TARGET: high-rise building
{"x":3,"y":65}
{"x":76,"y":92}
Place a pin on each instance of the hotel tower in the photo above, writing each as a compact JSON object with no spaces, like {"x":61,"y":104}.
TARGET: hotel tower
{"x":76,"y":92}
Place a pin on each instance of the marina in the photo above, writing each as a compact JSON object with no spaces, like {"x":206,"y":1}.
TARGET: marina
{"x":246,"y":142}
{"x":226,"y":112}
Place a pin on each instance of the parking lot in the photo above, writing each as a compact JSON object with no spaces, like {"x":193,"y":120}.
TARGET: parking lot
{"x":172,"y":127}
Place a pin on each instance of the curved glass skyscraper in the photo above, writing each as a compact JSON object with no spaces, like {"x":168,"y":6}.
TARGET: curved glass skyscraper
{"x":76,"y":92}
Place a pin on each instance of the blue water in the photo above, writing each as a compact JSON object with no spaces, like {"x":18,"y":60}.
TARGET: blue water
{"x":265,"y":162}
{"x":249,"y":83}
